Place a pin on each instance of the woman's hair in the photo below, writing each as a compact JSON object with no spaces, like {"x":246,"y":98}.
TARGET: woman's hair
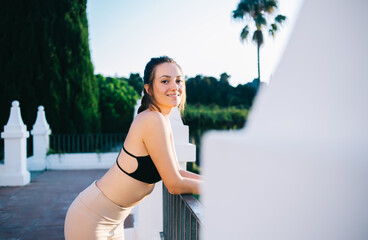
{"x":148,"y":101}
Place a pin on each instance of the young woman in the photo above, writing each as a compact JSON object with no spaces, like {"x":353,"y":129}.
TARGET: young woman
{"x":148,"y":156}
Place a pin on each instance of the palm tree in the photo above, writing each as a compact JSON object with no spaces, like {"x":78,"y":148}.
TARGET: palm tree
{"x":256,"y":11}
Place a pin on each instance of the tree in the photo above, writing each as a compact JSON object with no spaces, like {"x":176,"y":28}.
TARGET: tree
{"x":45,"y":60}
{"x":257,"y":11}
{"x":203,"y":90}
{"x":117,"y":102}
{"x":136,"y":82}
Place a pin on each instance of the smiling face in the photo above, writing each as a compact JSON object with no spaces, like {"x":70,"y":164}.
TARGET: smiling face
{"x":168,"y":86}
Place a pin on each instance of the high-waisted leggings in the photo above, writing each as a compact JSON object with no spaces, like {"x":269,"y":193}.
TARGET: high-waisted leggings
{"x":93,"y":216}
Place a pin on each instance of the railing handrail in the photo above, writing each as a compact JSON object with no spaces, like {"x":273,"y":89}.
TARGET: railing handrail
{"x":195,"y":206}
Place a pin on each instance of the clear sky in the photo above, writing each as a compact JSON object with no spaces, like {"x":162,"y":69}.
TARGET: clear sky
{"x":199,"y":34}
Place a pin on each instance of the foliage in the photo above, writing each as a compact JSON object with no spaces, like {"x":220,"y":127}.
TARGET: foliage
{"x":193,"y":167}
{"x":45,"y":60}
{"x":208,"y":90}
{"x":136,"y":82}
{"x":256,"y":12}
{"x":202,"y":118}
{"x":117,"y":102}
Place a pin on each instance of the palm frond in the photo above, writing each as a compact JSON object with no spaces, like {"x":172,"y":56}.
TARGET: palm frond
{"x":244,"y":33}
{"x":238,"y":14}
{"x":244,"y":8}
{"x":245,"y":5}
{"x":260,"y":21}
{"x":280,"y":19}
{"x":271,"y":32}
{"x":274,"y":27}
{"x":270,"y":6}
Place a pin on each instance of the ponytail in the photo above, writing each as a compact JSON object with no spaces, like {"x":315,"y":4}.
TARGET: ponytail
{"x":147,"y":102}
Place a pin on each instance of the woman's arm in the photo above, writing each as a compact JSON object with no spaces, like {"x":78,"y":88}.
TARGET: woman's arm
{"x":156,"y":138}
{"x":188,"y":174}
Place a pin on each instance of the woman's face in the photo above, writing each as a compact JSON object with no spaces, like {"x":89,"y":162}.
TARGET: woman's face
{"x":168,"y":86}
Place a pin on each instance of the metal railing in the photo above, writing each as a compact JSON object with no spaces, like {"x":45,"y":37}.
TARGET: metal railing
{"x":82,"y":143}
{"x":182,"y":216}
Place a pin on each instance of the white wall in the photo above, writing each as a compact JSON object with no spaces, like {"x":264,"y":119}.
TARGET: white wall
{"x":75,"y":161}
{"x":300,"y":168}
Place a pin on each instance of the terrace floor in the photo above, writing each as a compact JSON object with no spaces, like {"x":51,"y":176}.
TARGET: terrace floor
{"x":37,"y":210}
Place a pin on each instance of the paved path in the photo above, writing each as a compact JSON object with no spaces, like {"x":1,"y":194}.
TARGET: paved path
{"x":37,"y":211}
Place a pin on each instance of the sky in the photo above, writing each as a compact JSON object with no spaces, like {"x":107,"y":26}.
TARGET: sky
{"x":200,"y":35}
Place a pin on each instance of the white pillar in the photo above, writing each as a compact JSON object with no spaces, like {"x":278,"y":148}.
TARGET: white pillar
{"x":40,"y":132}
{"x":14,"y":171}
{"x":137,"y":106}
{"x":299,"y":170}
{"x":186,"y":151}
{"x":148,"y":217}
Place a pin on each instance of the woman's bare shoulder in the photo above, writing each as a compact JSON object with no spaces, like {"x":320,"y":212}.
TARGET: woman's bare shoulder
{"x":144,"y":125}
{"x":149,"y":118}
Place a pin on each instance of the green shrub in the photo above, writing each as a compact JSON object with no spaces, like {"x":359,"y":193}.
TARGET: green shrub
{"x":117,"y":102}
{"x":202,"y":118}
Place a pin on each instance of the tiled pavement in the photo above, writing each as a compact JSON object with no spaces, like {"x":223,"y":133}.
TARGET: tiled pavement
{"x":37,"y":210}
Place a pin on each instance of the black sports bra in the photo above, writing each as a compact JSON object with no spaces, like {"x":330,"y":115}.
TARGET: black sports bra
{"x":146,"y":170}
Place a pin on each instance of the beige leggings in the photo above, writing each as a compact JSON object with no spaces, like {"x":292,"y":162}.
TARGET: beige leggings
{"x":93,"y":216}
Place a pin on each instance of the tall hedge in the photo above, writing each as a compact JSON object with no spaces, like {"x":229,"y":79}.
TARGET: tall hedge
{"x":45,"y":60}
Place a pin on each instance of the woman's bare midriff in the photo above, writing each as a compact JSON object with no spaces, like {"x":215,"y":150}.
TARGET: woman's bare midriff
{"x":122,"y":189}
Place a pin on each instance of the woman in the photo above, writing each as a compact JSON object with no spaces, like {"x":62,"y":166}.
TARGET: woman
{"x":148,"y":155}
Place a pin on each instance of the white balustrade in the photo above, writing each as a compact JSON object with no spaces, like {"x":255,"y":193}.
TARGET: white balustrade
{"x":299,"y":170}
{"x":14,"y":171}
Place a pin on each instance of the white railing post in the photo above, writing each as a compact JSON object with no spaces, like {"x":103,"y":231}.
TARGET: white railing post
{"x":148,"y":217}
{"x":14,"y":171}
{"x":40,"y":132}
{"x":186,"y":151}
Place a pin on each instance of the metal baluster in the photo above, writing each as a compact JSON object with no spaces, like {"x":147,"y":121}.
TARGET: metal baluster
{"x":68,"y":142}
{"x":164,"y":208}
{"x":73,"y":143}
{"x":93,"y":143}
{"x":78,"y":144}
{"x":181,"y":222}
{"x":187,"y":224}
{"x":63,"y":145}
{"x":193,"y":227}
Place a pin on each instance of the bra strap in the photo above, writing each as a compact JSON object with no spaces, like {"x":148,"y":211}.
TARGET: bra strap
{"x":117,"y":163}
{"x":129,"y":152}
